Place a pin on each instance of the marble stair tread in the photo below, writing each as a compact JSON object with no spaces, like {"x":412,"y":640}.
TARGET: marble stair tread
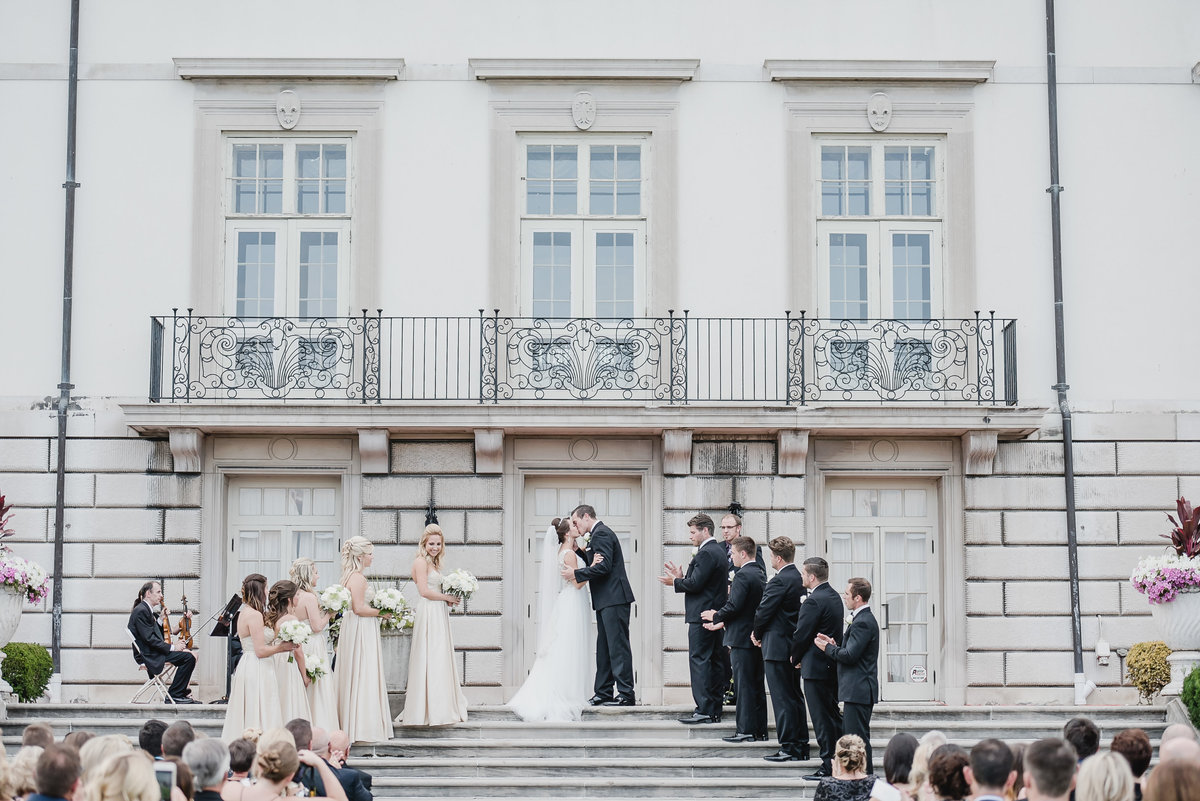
{"x":589,"y":786}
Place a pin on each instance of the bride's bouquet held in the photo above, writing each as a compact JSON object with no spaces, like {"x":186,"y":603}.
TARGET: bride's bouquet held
{"x":460,"y":584}
{"x":294,"y":631}
{"x":334,"y":599}
{"x":390,"y":601}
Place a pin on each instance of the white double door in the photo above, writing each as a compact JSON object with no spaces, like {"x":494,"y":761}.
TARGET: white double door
{"x":886,"y":531}
{"x":618,"y":503}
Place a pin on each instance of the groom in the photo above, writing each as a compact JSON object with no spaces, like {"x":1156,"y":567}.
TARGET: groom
{"x":611,"y":598}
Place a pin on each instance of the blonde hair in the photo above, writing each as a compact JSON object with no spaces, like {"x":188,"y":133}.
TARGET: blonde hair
{"x":124,"y":777}
{"x":851,"y":753}
{"x":301,"y":572}
{"x":929,"y":742}
{"x":277,"y":760}
{"x":431,"y":530}
{"x":1104,"y":777}
{"x":98,"y":749}
{"x":353,"y":551}
{"x":22,"y":775}
{"x":5,"y":785}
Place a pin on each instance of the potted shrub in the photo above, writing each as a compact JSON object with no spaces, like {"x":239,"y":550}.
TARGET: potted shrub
{"x":1191,"y":696}
{"x":21,"y":582}
{"x":27,"y":667}
{"x":1148,"y":668}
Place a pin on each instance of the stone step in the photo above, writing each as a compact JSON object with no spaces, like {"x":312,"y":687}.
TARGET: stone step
{"x":691,"y":767}
{"x":585,"y":784}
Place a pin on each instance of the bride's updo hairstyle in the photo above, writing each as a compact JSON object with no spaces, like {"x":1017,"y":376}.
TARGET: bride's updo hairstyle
{"x":353,"y":551}
{"x":282,"y":592}
{"x":254,"y":592}
{"x":563,"y":526}
{"x":276,"y":761}
{"x":301,"y":572}
{"x":431,"y":530}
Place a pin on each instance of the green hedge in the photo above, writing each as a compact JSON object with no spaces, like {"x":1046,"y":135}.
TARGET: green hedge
{"x":27,"y":667}
{"x":1191,"y":695}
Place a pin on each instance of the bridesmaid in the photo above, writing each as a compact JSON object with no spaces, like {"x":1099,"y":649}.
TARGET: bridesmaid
{"x":362,"y":689}
{"x":322,"y":693}
{"x":293,"y":677}
{"x":434,"y":696}
{"x":254,"y":696}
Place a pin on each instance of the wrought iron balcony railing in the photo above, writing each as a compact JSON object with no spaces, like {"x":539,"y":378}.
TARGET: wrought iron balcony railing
{"x":677,"y":359}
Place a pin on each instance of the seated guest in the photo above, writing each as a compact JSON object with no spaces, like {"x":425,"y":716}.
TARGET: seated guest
{"x":897,"y":764}
{"x":241,"y":759}
{"x":125,"y":777}
{"x":1104,"y":777}
{"x":176,"y":736}
{"x":39,"y":734}
{"x":1176,"y":780}
{"x":946,"y":774}
{"x":339,"y":747}
{"x":98,"y":749}
{"x":1134,"y":745}
{"x":150,"y":737}
{"x":77,"y":738}
{"x":23,"y":771}
{"x":850,"y":781}
{"x":918,"y":777}
{"x":57,"y":774}
{"x":1083,"y":735}
{"x":1049,"y":770}
{"x":209,"y":763}
{"x":990,"y":773}
{"x":277,"y":763}
{"x":155,"y":652}
{"x":1182,"y":748}
{"x":307,"y":776}
{"x":356,"y":783}
{"x":185,"y":786}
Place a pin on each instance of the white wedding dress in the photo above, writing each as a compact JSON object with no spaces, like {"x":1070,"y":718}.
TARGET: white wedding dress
{"x":558,"y":685}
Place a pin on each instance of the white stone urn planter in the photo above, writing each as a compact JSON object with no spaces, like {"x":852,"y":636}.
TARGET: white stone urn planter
{"x":396,"y":647}
{"x":12,"y":604}
{"x":1179,"y":621}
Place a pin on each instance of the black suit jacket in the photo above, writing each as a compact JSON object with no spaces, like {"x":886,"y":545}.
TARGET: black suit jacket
{"x":607,"y":581}
{"x":706,"y":583}
{"x":821,"y":613}
{"x":858,"y":660}
{"x":149,"y":637}
{"x":758,"y":557}
{"x":775,"y":618}
{"x":738,"y":612}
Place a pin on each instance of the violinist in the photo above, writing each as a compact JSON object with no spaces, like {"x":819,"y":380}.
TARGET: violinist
{"x":156,"y":652}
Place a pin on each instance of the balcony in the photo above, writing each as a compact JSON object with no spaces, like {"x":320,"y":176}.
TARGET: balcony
{"x":675,"y":360}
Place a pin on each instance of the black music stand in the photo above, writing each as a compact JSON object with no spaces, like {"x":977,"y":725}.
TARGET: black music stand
{"x":226,"y":626}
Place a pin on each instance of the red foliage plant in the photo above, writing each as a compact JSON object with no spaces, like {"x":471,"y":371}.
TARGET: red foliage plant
{"x":1185,"y":537}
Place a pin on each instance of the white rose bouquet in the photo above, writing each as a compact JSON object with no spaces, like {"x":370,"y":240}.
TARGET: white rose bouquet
{"x":460,"y":583}
{"x":317,"y":667}
{"x":295,"y":631}
{"x":334,"y":599}
{"x":391,"y":601}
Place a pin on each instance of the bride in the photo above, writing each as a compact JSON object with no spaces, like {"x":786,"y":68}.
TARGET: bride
{"x":557,"y":687}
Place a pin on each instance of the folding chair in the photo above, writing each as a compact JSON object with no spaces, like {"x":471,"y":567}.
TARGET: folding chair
{"x":155,"y":685}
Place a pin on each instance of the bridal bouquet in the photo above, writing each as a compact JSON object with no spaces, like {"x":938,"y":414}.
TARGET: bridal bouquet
{"x":316,"y":667}
{"x":460,"y":583}
{"x":334,"y":599}
{"x":296,"y":631}
{"x":391,"y":601}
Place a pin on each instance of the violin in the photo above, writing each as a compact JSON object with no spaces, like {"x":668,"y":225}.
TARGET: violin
{"x":166,"y":622}
{"x":185,"y":625}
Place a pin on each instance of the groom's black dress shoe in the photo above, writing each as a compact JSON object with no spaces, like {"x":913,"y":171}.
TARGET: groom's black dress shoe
{"x":740,"y":738}
{"x":817,"y":776}
{"x":781,"y":756}
{"x":696,"y":717}
{"x":597,"y":700}
{"x":618,"y":702}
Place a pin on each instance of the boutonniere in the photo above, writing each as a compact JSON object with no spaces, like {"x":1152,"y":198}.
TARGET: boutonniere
{"x":803,"y":598}
{"x":695,"y":550}
{"x":731,"y":572}
{"x":586,"y":539}
{"x":849,"y":619}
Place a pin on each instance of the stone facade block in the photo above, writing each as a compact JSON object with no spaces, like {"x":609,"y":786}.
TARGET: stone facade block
{"x":1124,"y":492}
{"x":125,"y":455}
{"x":1008,"y":492}
{"x":486,"y":528}
{"x":985,"y":598}
{"x":26,"y":455}
{"x":483,"y":668}
{"x":33,"y":525}
{"x":983,"y":528}
{"x":784,"y":524}
{"x":754,"y":524}
{"x":77,"y":558}
{"x":1000,"y":562}
{"x":109,"y":630}
{"x":113,"y":525}
{"x":101,"y":594}
{"x":391,"y":492}
{"x":428,"y":458}
{"x":1046,"y":458}
{"x":672,"y":601}
{"x":1159,"y":458}
{"x":1116,"y":562}
{"x":1054,"y":598}
{"x":1043,"y":633}
{"x":181,"y":525}
{"x":39,"y":489}
{"x":1056,"y":668}
{"x":1121,"y":632}
{"x":101,"y":666}
{"x":1050,"y":528}
{"x":489,"y":598}
{"x":771,"y":492}
{"x":412,"y":526}
{"x":476,"y":492}
{"x":379,"y":527}
{"x":136,"y":560}
{"x":392,"y":562}
{"x":675,"y":634}
{"x":76,"y":629}
{"x":1144,"y":528}
{"x":472,"y":631}
{"x":733,"y":458}
{"x":484,"y":561}
{"x":1189,"y":487}
{"x":1117,"y":426}
{"x":985,"y":668}
{"x":1132,"y":601}
{"x":675,"y":528}
{"x":675,"y":669}
{"x":122,"y":489}
{"x":697,"y":492}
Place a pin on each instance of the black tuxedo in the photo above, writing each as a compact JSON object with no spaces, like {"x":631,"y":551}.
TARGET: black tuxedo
{"x":758,"y":557}
{"x":705,"y":586}
{"x":738,"y":616}
{"x":611,"y":598}
{"x":858,"y":675}
{"x":774,"y":624}
{"x":350,"y":779}
{"x":148,"y":634}
{"x":821,"y":613}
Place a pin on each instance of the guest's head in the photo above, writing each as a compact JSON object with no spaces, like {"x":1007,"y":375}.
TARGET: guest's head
{"x":357,"y":555}
{"x":57,"y":772}
{"x":1049,"y":769}
{"x":432,"y":546}
{"x":276,"y":761}
{"x":700,"y":528}
{"x":783,"y":551}
{"x":849,"y":756}
{"x":898,"y":758}
{"x":23,"y":770}
{"x":98,"y":749}
{"x":176,"y":737}
{"x":562,"y":526}
{"x":1177,"y":730}
{"x":1134,"y":745}
{"x":320,"y":742}
{"x":1018,"y":750}
{"x":254,"y":592}
{"x":279,"y":602}
{"x":304,"y":574}
{"x":39,"y":734}
{"x":991,"y":768}
{"x":339,"y":741}
{"x":1104,"y":777}
{"x":1083,"y":735}
{"x":241,"y":757}
{"x":302,"y":732}
{"x":742,"y":550}
{"x":6,"y":792}
{"x":815,"y":571}
{"x":183,"y":777}
{"x":208,"y":760}
{"x":124,"y":777}
{"x":1173,"y":781}
{"x":1179,"y":749}
{"x":151,"y":735}
{"x":929,"y":742}
{"x":731,"y":527}
{"x":77,"y":738}
{"x":946,"y":775}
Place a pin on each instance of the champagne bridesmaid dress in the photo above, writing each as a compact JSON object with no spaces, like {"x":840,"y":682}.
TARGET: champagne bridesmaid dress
{"x":434,"y":696}
{"x":254,"y":695}
{"x":362,"y":689}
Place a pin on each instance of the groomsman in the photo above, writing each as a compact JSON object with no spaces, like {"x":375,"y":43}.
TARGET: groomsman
{"x":774,"y":622}
{"x":737,"y":619}
{"x":731,"y":529}
{"x":858,"y":663}
{"x":705,"y":587}
{"x":820,"y":614}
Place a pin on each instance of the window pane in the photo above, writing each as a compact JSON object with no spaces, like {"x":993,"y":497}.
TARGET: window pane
{"x":551,"y":273}
{"x":832,"y":163}
{"x":271,"y":197}
{"x":601,"y":201}
{"x":335,"y":197}
{"x":565,"y":198}
{"x":566,"y":161}
{"x":308,"y":161}
{"x":859,"y":198}
{"x":308,"y":199}
{"x":271,"y":161}
{"x":318,"y":273}
{"x":831,"y":200}
{"x":537,"y":197}
{"x":243,"y":196}
{"x":858,"y":163}
{"x":245,"y":161}
{"x":335,"y":161}
{"x":603,"y":162}
{"x":255,"y":273}
{"x":629,"y":162}
{"x":537,"y":161}
{"x":629,"y":197}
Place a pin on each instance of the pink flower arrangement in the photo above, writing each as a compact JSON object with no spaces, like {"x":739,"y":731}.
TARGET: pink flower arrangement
{"x":22,"y":575}
{"x":1162,"y":578}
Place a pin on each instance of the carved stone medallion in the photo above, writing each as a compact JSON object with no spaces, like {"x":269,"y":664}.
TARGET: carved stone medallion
{"x":583,"y":110}
{"x":879,"y":111}
{"x":287,"y":109}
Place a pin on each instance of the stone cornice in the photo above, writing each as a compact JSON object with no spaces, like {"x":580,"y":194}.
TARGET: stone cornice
{"x":565,"y":69}
{"x":335,"y":69}
{"x":879,"y":71}
{"x":536,"y":419}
